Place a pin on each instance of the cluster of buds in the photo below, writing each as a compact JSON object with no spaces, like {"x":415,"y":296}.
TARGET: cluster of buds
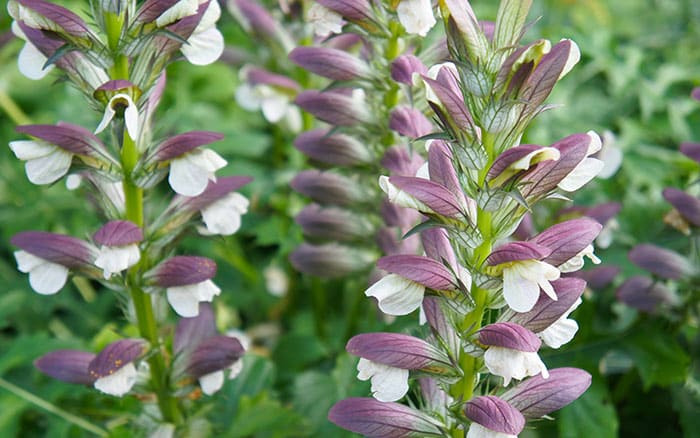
{"x":491,"y":301}
{"x":669,"y":269}
{"x":373,"y":110}
{"x":119,"y":66}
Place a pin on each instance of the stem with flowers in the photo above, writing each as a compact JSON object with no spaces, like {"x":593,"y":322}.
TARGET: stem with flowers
{"x":119,"y":67}
{"x":490,"y":301}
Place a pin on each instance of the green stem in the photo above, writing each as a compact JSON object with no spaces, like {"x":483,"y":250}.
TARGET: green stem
{"x":12,"y":109}
{"x":40,"y":402}
{"x":113,"y":26}
{"x":148,"y":327}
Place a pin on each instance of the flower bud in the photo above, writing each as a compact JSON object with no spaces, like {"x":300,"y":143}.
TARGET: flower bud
{"x":687,"y":205}
{"x":405,"y":67}
{"x":375,"y":419}
{"x":333,"y":224}
{"x":662,"y":262}
{"x":335,"y":149}
{"x":644,"y":294}
{"x":67,"y":366}
{"x":537,"y":396}
{"x":334,"y":107}
{"x":409,"y":122}
{"x":494,"y":414}
{"x":334,"y":64}
{"x":691,"y":150}
{"x":330,"y":260}
{"x":328,"y":188}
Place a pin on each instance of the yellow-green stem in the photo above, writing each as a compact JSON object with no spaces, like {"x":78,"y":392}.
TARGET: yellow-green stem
{"x":12,"y":109}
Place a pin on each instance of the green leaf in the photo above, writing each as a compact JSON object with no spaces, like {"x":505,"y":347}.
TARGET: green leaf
{"x":659,"y":358}
{"x":260,"y":416}
{"x":592,"y":415}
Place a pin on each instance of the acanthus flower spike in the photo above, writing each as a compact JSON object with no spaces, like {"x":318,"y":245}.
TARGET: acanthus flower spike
{"x":119,"y":248}
{"x":493,"y":417}
{"x":512,"y":351}
{"x":187,"y":282}
{"x":48,"y":257}
{"x":537,"y":396}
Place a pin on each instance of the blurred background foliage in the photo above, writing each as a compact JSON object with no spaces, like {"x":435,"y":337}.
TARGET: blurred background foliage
{"x":640,"y":59}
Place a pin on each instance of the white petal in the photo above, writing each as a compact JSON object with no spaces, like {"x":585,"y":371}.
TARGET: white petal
{"x":185,"y":299}
{"x":210,"y":17}
{"x":191,"y":172}
{"x":559,"y":333}
{"x":274,"y":107}
{"x":388,"y":383}
{"x":165,"y":430}
{"x":397,"y":295}
{"x":596,"y":143}
{"x":212,"y":382}
{"x":114,"y":259}
{"x":48,"y":169}
{"x":120,"y":382}
{"x":476,"y":430}
{"x":324,"y":21}
{"x":205,"y":47}
{"x":247,"y":97}
{"x":235,"y":369}
{"x":585,"y":171}
{"x":572,"y":60}
{"x":31,"y":62}
{"x":416,"y":16}
{"x":181,"y":9}
{"x":73,"y":181}
{"x":131,"y":120}
{"x":292,"y":119}
{"x":29,"y":149}
{"x":513,"y":364}
{"x":611,"y":155}
{"x":108,"y":116}
{"x":27,"y":261}
{"x":276,"y":281}
{"x":520,"y":293}
{"x":224,"y":216}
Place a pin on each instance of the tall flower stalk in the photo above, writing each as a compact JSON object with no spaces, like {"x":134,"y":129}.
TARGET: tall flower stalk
{"x":491,"y":301}
{"x":119,"y":67}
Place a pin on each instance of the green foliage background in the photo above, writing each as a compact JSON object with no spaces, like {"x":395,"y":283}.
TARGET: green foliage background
{"x":640,"y":59}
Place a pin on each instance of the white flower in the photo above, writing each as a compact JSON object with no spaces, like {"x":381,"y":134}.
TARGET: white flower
{"x":324,"y":21}
{"x":276,"y":106}
{"x":416,"y":16}
{"x":562,"y":330}
{"x":610,"y":154}
{"x":190,"y":173}
{"x":206,"y":44}
{"x":45,"y":163}
{"x":45,"y":277}
{"x":131,"y":114}
{"x":397,"y":295}
{"x":576,"y":262}
{"x":388,"y":383}
{"x":606,"y":235}
{"x":118,"y":383}
{"x":115,"y":259}
{"x":30,"y":61}
{"x":185,"y":299}
{"x":513,"y":364}
{"x":572,"y":60}
{"x":212,"y":382}
{"x":586,"y":170}
{"x":522,"y":281}
{"x":476,"y":430}
{"x":276,"y":281}
{"x":224,"y":215}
